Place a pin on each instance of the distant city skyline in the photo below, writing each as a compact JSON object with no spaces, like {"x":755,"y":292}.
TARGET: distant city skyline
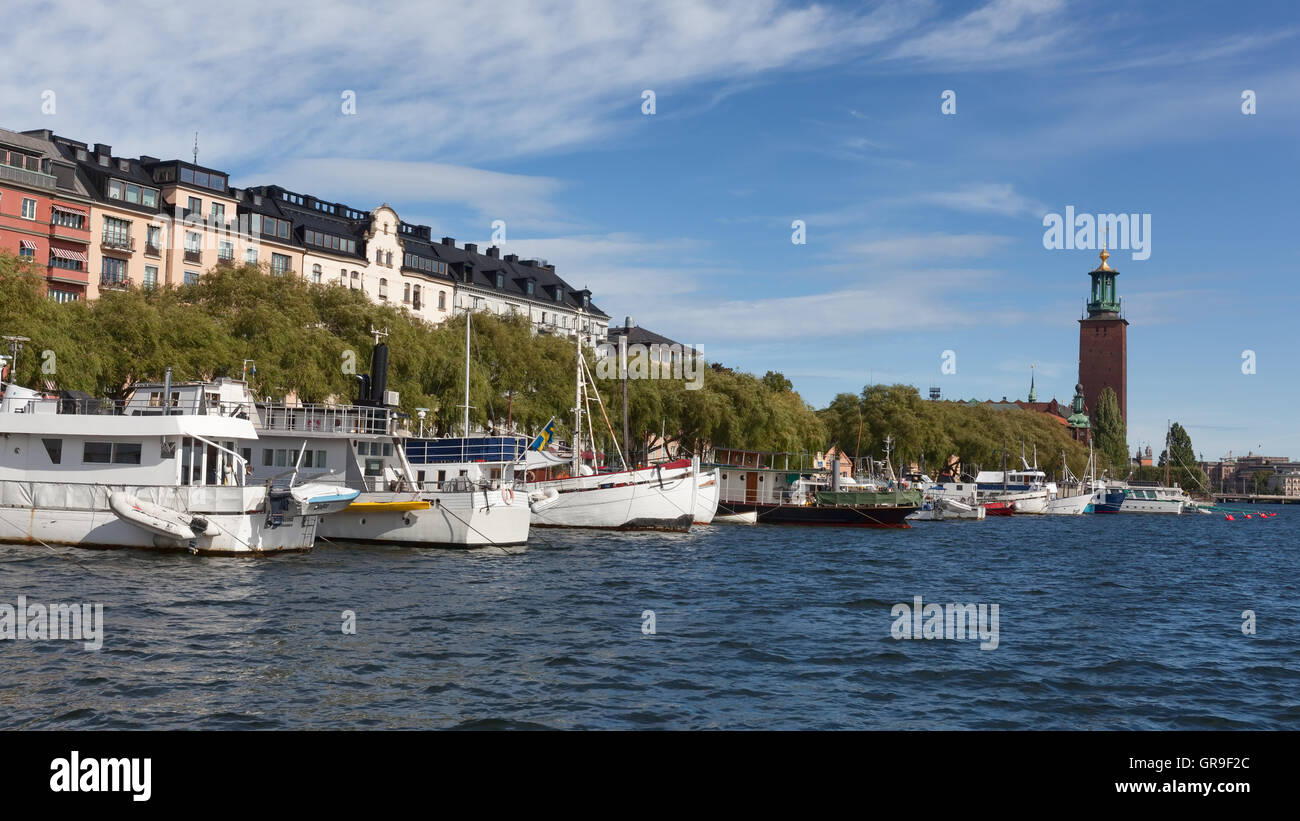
{"x":925,"y":231}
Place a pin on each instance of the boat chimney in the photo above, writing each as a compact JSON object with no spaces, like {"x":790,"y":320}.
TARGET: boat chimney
{"x":379,"y":373}
{"x":167,"y":392}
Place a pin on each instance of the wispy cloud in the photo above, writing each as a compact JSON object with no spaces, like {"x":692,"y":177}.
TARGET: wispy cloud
{"x":931,"y":246}
{"x":990,"y":198}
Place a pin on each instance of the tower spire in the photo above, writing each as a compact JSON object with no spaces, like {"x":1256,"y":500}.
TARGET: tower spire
{"x":1033,"y":397}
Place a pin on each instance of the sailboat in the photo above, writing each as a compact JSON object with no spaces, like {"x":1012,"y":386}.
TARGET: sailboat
{"x":1075,"y":504}
{"x":569,"y":492}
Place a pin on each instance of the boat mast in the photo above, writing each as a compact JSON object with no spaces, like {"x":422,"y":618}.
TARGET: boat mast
{"x":465,"y":434}
{"x":577,"y":409}
{"x":1169,"y":456}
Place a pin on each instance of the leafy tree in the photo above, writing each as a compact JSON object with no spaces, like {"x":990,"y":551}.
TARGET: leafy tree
{"x":1183,"y":467}
{"x":1110,"y":435}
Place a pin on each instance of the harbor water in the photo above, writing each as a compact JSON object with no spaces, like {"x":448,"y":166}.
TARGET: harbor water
{"x":1104,"y":622}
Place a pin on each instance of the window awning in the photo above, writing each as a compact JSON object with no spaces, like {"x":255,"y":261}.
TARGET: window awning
{"x":71,"y":256}
{"x":27,"y":244}
{"x":68,"y":209}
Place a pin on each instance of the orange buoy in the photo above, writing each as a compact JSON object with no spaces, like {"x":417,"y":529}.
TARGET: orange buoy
{"x":1228,"y":517}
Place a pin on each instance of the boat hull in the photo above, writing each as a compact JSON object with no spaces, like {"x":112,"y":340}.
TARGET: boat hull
{"x":236,"y":519}
{"x":481,"y":518}
{"x":706,"y":498}
{"x":646,"y":499}
{"x":831,"y":515}
{"x":1070,"y":505}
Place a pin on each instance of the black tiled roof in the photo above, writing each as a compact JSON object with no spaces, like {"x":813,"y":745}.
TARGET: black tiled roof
{"x":636,"y":335}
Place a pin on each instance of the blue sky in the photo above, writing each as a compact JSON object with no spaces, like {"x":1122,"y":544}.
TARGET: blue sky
{"x":924,"y":230}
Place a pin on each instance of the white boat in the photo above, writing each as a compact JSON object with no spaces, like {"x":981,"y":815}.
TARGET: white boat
{"x":660,"y":497}
{"x":1126,"y":498}
{"x":93,"y":473}
{"x":567,"y":491}
{"x":939,"y":509}
{"x":706,"y":500}
{"x":749,"y":517}
{"x":1076,"y":505}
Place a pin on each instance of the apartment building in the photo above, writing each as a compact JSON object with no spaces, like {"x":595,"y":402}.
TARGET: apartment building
{"x":110,"y":222}
{"x":45,"y":214}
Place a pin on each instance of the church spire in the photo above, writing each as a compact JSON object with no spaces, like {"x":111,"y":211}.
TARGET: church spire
{"x":1033,"y":397}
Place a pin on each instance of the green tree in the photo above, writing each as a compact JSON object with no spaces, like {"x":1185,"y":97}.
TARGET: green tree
{"x":1183,"y":467}
{"x":1110,"y":435}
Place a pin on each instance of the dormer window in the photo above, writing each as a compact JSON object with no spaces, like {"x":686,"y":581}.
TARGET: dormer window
{"x":501,"y":279}
{"x":559,"y":293}
{"x":530,"y":287}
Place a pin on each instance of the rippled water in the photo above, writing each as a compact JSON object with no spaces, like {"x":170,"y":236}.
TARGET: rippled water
{"x":1105,"y":622}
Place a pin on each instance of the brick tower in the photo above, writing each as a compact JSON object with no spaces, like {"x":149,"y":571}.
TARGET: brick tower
{"x":1103,"y":341}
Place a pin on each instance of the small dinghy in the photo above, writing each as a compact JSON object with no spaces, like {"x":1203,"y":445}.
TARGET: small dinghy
{"x":172,"y":525}
{"x":747,"y":518}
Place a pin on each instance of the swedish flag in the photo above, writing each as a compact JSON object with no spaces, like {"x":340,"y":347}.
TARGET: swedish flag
{"x":543,"y":439}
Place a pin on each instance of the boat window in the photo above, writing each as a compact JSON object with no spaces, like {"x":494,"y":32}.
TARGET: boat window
{"x":247,"y":453}
{"x":100,"y":453}
{"x":54,"y":447}
{"x":280,"y":455}
{"x":127,"y":453}
{"x":374,"y":467}
{"x":388,"y":448}
{"x":168,"y":449}
{"x":442,"y":476}
{"x":268,"y":457}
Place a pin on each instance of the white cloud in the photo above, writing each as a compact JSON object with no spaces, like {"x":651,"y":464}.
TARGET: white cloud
{"x":931,"y":246}
{"x":991,"y":198}
{"x":999,"y":33}
{"x":521,"y":200}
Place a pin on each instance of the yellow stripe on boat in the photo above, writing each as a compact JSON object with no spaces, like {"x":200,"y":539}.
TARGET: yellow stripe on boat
{"x":379,"y":507}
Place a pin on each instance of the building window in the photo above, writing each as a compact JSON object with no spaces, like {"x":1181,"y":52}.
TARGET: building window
{"x":193,"y":242}
{"x":112,"y":272}
{"x":225,"y":250}
{"x":191,"y":277}
{"x":501,"y":279}
{"x":27,"y":251}
{"x":442,"y":300}
{"x":153,"y":239}
{"x":218,"y":212}
{"x":29,"y":208}
{"x":315,"y":274}
{"x":59,"y":295}
{"x":530,"y":287}
{"x":388,"y":259}
{"x":64,"y":260}
{"x":356,"y":281}
{"x":66,"y":219}
{"x":117,"y":232}
{"x":196,"y":205}
{"x":406,"y":293}
{"x":379,"y":257}
{"x":151,"y":276}
{"x":250,"y":256}
{"x":383,"y":288}
{"x":415,"y":297}
{"x":279,"y":264}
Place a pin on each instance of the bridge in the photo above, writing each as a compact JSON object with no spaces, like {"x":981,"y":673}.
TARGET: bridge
{"x":1256,"y":499}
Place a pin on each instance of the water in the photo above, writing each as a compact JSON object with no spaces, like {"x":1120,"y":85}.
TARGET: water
{"x":1108,"y":622}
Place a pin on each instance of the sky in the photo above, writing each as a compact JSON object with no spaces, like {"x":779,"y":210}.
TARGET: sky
{"x":921,"y":144}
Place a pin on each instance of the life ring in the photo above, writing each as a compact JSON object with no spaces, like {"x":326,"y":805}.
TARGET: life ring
{"x":507,"y":494}
{"x":530,"y":477}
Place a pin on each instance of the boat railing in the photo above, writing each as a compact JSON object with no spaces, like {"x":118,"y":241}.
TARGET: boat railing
{"x":93,"y":406}
{"x":325,"y":419}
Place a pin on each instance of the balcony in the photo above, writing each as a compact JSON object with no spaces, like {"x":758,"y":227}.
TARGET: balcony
{"x":152,"y":250}
{"x":114,"y":282}
{"x":36,"y":179}
{"x":117,"y":242}
{"x":194,"y":256}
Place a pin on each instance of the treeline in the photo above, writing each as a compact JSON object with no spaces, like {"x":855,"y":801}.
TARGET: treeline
{"x":945,"y":436}
{"x":310,"y":341}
